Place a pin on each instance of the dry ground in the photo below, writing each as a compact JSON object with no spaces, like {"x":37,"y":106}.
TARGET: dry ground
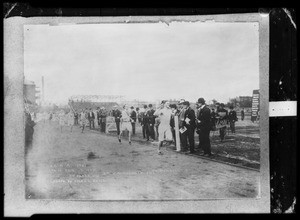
{"x":92,"y":165}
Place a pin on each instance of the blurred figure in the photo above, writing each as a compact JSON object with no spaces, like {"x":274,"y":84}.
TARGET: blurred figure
{"x":98,"y":117}
{"x":151,"y":121}
{"x":137,"y":109}
{"x":61,"y":120}
{"x":144,"y":122}
{"x":50,"y":117}
{"x":213,"y":118}
{"x":133,"y":119}
{"x":45,"y":116}
{"x":29,"y":130}
{"x":91,"y":118}
{"x":86,"y":113}
{"x":95,"y":118}
{"x":82,"y":120}
{"x":175,"y":112}
{"x":242,"y":114}
{"x":222,"y":122}
{"x":116,"y":113}
{"x":181,"y":116}
{"x":75,"y":118}
{"x":232,"y":118}
{"x":204,"y":127}
{"x":103,"y":115}
{"x":156,"y":125}
{"x":126,"y":123}
{"x":70,"y":119}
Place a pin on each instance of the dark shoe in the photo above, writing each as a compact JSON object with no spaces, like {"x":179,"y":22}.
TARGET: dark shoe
{"x":119,"y":140}
{"x":190,"y":151}
{"x":130,"y":142}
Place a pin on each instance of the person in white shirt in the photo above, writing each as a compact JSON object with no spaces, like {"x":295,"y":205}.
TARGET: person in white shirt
{"x":126,"y":123}
{"x":83,"y":119}
{"x":62,"y":120}
{"x":164,"y":130}
{"x":70,"y":118}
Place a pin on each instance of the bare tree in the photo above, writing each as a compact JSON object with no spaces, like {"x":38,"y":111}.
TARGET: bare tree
{"x":234,"y":102}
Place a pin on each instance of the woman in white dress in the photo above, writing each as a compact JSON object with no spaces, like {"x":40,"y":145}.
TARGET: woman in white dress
{"x":61,"y":120}
{"x":82,"y":118}
{"x":70,"y":118}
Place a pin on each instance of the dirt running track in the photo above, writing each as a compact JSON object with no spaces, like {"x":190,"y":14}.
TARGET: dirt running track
{"x":58,"y":166}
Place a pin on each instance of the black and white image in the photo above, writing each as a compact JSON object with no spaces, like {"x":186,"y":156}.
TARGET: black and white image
{"x":142,"y":111}
{"x":136,"y":114}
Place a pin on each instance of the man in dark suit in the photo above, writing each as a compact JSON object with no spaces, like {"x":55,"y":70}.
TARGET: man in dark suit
{"x":151,"y":121}
{"x":144,"y":122}
{"x":175,"y":112}
{"x":98,"y":117}
{"x":103,"y":115}
{"x":232,"y":118}
{"x":204,"y":126}
{"x":91,"y":118}
{"x":190,"y":125}
{"x":133,"y":119}
{"x":181,"y":122}
{"x":242,"y":114}
{"x":213,"y":118}
{"x":116,"y":113}
{"x":222,"y":115}
{"x":75,"y":118}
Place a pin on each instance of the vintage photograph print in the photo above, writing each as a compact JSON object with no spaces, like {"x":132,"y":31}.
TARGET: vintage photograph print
{"x":142,"y":111}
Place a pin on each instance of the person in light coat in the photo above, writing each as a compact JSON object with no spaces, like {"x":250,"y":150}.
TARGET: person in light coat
{"x":164,"y":129}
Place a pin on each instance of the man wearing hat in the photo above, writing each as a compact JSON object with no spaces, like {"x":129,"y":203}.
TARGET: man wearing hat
{"x":151,"y":121}
{"x":98,"y":116}
{"x":144,"y":122}
{"x":91,"y":118}
{"x":190,"y":125}
{"x":181,"y":120}
{"x":133,"y":117}
{"x":175,"y":112}
{"x":232,"y":118}
{"x":204,"y":126}
{"x":222,"y":120}
{"x":103,"y":115}
{"x":116,"y":113}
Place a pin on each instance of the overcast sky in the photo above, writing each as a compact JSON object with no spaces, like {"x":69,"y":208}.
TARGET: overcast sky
{"x":144,"y":61}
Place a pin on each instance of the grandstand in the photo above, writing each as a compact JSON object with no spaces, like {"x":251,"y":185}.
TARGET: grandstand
{"x":77,"y":106}
{"x":79,"y":102}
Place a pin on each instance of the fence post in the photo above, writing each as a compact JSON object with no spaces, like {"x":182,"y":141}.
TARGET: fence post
{"x":177,"y":133}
